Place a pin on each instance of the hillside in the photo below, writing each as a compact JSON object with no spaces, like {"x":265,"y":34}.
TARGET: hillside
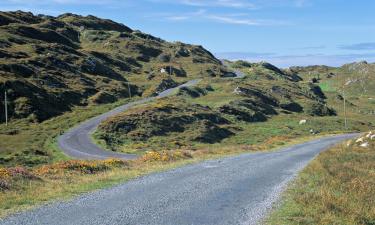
{"x":355,"y":81}
{"x":50,"y":64}
{"x":266,"y":102}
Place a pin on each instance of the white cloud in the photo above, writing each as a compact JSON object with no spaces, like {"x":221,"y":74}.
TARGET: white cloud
{"x":236,"y":19}
{"x":230,"y":20}
{"x":298,"y":60}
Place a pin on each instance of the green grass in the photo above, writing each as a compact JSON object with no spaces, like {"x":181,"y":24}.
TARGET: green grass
{"x":35,"y":143}
{"x":327,"y":87}
{"x":336,"y":188}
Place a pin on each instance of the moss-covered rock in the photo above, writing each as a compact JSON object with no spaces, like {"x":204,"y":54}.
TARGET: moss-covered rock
{"x":193,"y":92}
{"x":102,"y":97}
{"x":319,"y":109}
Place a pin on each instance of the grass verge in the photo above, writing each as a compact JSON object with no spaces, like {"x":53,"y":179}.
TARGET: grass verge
{"x":33,"y":144}
{"x":336,"y":188}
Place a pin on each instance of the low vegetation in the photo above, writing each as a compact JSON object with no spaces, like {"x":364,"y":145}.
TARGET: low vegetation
{"x":336,"y":188}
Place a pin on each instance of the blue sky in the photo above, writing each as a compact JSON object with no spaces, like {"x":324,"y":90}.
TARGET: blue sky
{"x":283,"y":32}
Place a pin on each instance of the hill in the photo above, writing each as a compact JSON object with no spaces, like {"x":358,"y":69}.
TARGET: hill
{"x":354,"y":81}
{"x":266,"y":96}
{"x":50,"y":64}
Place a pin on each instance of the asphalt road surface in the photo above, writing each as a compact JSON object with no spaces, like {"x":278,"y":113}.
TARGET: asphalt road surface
{"x":234,"y":190}
{"x":78,"y":144}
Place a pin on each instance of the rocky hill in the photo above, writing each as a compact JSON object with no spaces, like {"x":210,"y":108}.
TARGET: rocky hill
{"x":50,"y":64}
{"x":353,"y":81}
{"x":216,"y":110}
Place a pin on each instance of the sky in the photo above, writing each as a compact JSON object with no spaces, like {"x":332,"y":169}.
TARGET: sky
{"x":283,"y":32}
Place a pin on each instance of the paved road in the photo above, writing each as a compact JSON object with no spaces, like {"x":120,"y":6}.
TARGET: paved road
{"x":78,"y":144}
{"x":234,"y":190}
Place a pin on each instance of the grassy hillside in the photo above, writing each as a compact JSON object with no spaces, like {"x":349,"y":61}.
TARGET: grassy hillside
{"x":336,"y":188}
{"x":355,"y":81}
{"x":263,"y":107}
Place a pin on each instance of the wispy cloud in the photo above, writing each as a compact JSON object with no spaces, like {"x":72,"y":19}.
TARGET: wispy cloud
{"x":244,"y":21}
{"x":242,"y":55}
{"x":359,"y":46}
{"x":298,"y":60}
{"x":318,"y":47}
{"x":236,"y":19}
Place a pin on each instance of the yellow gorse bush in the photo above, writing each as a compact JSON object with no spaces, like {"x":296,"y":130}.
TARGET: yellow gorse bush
{"x":151,"y":156}
{"x":87,"y":167}
{"x":165,"y":156}
{"x":4,"y":173}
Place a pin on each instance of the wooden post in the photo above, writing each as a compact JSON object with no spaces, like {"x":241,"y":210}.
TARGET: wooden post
{"x":346,"y":119}
{"x":129,"y":90}
{"x":6,"y":109}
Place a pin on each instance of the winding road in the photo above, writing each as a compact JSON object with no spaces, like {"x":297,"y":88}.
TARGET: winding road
{"x":234,"y":190}
{"x":77,"y":142}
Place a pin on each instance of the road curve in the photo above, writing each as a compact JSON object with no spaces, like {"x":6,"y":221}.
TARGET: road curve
{"x":78,"y":144}
{"x":234,"y":190}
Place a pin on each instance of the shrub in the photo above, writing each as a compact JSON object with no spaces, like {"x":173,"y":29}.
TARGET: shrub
{"x":4,"y":185}
{"x":85,"y":167}
{"x":319,"y":109}
{"x":4,"y":173}
{"x":165,"y":57}
{"x":165,"y":156}
{"x":115,"y":163}
{"x":151,"y":156}
{"x":21,"y":172}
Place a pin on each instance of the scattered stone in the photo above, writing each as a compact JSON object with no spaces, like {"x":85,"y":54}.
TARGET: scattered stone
{"x":364,"y":145}
{"x":302,"y":122}
{"x":237,"y":90}
{"x":360,"y":140}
